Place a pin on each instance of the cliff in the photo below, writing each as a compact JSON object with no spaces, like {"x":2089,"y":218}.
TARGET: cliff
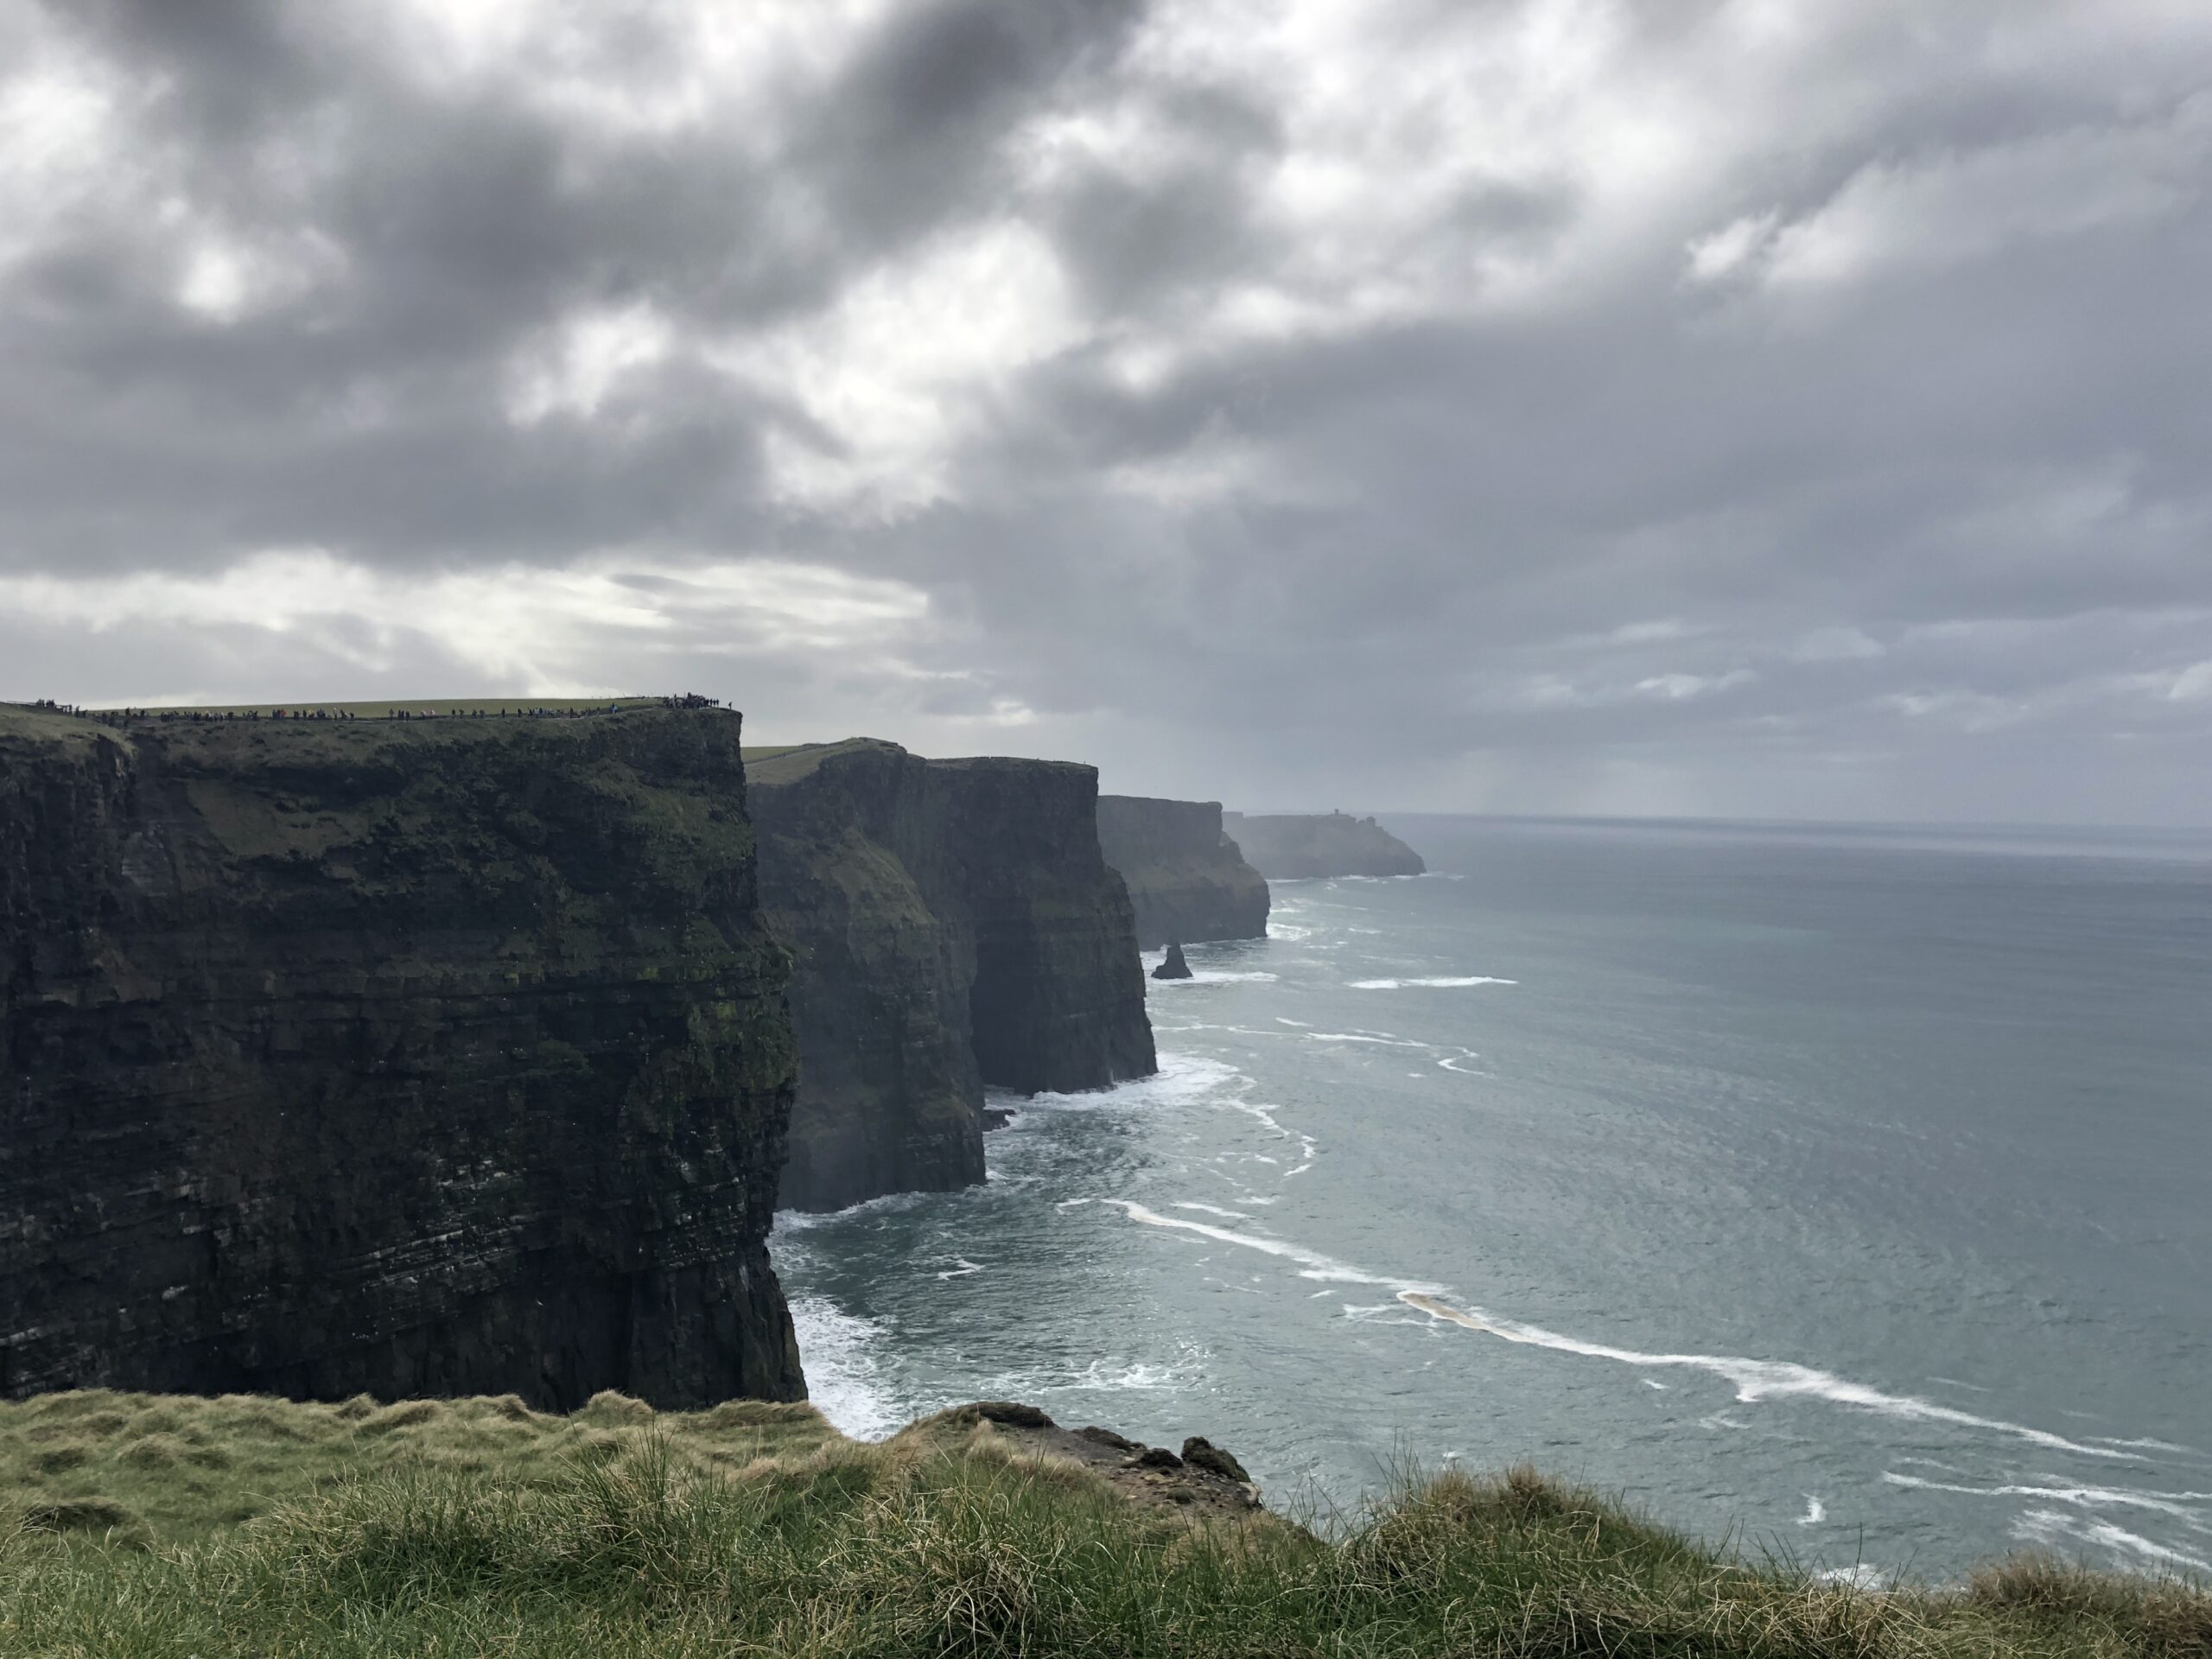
{"x":952,"y":924}
{"x":432,"y":1056}
{"x":1285,"y":848}
{"x":1186,"y":878}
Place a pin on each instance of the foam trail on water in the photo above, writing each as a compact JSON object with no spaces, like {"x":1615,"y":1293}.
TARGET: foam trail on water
{"x":1313,"y":1263}
{"x":1212,"y":1210}
{"x":2180,"y":1505}
{"x":2051,"y":1527}
{"x":1763,"y":1379}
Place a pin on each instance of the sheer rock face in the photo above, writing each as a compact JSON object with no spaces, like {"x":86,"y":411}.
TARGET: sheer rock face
{"x":1316,"y":844}
{"x":952,"y":924}
{"x":1187,"y":880}
{"x":437,"y":1056}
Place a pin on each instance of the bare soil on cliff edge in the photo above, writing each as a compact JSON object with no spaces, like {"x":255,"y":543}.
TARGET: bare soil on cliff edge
{"x":478,"y":1526}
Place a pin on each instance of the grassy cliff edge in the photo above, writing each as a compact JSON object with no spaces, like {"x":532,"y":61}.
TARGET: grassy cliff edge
{"x":147,"y":1524}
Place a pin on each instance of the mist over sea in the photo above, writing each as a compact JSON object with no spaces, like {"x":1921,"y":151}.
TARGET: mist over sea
{"x":1845,"y":1191}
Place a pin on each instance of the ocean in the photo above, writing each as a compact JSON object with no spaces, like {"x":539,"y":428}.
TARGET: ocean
{"x":1837,"y":1193}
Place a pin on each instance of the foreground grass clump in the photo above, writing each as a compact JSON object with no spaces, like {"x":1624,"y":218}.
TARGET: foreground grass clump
{"x":479,"y":1527}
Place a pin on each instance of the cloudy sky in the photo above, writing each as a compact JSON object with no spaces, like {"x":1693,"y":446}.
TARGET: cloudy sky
{"x":1778,"y":407}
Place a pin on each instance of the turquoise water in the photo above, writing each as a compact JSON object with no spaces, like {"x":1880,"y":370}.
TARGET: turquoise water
{"x":1843,"y":1192}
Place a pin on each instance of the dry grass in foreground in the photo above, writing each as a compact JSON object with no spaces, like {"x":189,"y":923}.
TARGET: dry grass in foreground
{"x":152,"y":1525}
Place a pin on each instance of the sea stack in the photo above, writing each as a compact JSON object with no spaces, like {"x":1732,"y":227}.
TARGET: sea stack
{"x":1174,"y":967}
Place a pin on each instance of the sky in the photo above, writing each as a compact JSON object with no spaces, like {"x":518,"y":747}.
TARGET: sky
{"x":1625,"y":407}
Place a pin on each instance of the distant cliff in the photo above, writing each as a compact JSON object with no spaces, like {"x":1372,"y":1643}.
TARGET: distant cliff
{"x":414,"y":1058}
{"x":1335,"y":843}
{"x":952,"y":924}
{"x":1187,"y":880}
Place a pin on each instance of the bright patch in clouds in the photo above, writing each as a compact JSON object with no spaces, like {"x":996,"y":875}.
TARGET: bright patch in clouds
{"x":536,"y":629}
{"x":898,"y":372}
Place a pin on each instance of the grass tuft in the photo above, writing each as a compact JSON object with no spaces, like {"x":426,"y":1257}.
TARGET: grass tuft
{"x":486,"y":1528}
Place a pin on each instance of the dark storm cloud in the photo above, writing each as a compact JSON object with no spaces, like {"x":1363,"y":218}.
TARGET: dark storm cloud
{"x":1544,"y":405}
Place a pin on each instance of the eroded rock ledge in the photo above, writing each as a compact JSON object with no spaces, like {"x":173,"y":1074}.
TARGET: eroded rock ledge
{"x":435,"y":1057}
{"x":952,"y":924}
{"x":1188,"y":879}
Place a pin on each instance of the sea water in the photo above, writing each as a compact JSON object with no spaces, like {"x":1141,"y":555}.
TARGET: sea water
{"x":1845,"y":1194}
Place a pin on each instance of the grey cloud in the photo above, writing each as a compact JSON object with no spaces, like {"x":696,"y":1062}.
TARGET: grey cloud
{"x":1279,"y":454}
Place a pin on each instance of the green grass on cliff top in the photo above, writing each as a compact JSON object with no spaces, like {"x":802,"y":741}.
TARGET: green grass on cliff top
{"x":159,"y":1526}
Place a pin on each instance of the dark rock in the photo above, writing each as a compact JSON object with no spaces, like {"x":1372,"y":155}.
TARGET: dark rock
{"x":952,"y":924}
{"x":1108,"y":1437}
{"x":1007,"y":1413}
{"x":406,"y":1058}
{"x":1300,"y":845}
{"x":1173,"y":967}
{"x":1187,"y":880}
{"x":1202,"y":1453}
{"x":997,"y":1117}
{"x":1156,"y":1457}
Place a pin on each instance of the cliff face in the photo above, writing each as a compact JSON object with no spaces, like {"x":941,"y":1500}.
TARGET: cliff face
{"x":425,"y":1058}
{"x":1187,"y":880}
{"x":1335,"y":843}
{"x":952,"y":924}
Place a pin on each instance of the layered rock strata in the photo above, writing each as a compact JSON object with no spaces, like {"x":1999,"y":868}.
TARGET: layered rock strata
{"x":1188,"y":879}
{"x":952,"y":924}
{"x":439,"y":1057}
{"x":1287,"y":847}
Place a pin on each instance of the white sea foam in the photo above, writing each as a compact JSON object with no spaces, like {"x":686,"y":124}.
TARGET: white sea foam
{"x":2054,"y":1528}
{"x":1815,"y":1512}
{"x":1757,"y":1380}
{"x":2182,"y":1506}
{"x":1212,"y":1210}
{"x":844,"y":1377}
{"x":1311,"y":1263}
{"x":1112,"y":1373}
{"x":1442,"y":982}
{"x":963,"y":1270}
{"x":1365,"y":1037}
{"x":1300,"y":1024}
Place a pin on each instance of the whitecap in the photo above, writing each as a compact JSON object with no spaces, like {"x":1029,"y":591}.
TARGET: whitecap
{"x":1300,"y":1024}
{"x":844,"y":1378}
{"x":965,"y":1268}
{"x":1815,"y":1512}
{"x":1210,"y":1209}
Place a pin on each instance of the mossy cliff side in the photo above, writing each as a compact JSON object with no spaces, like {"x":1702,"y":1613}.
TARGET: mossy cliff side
{"x":952,"y":924}
{"x":408,"y":1058}
{"x":1287,"y":847}
{"x":1188,"y":879}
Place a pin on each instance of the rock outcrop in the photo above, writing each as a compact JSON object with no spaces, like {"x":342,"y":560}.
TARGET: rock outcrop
{"x":1173,"y":966}
{"x":1188,"y":879}
{"x":439,"y":1057}
{"x":952,"y":924}
{"x":1291,"y":846}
